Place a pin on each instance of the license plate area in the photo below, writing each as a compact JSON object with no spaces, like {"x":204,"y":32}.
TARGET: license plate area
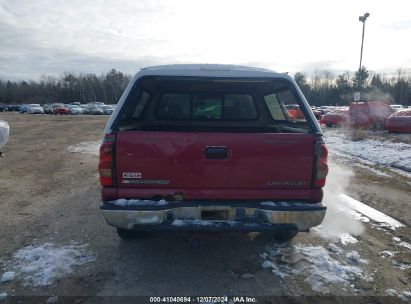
{"x":215,"y":215}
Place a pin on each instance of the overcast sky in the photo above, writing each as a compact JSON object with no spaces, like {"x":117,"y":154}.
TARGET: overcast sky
{"x":85,"y":36}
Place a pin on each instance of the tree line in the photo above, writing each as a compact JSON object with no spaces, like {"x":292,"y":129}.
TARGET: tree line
{"x":67,"y":88}
{"x":326,"y":88}
{"x":321,"y":88}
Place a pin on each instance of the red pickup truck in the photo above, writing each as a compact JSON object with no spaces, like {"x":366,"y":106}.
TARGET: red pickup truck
{"x":212,"y":147}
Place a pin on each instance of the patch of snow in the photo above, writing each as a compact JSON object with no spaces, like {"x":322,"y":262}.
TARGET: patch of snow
{"x":52,"y":300}
{"x":88,"y":147}
{"x":396,"y":239}
{"x":346,"y":238}
{"x":4,"y":132}
{"x":402,"y":266}
{"x":3,"y":296}
{"x":334,"y":248}
{"x":391,"y":292}
{"x":370,"y":212}
{"x":405,"y":245}
{"x":135,"y":202}
{"x":274,"y":269}
{"x":389,"y":154}
{"x":40,"y":265}
{"x":8,"y":276}
{"x":407,"y":294}
{"x":315,"y":264}
{"x":354,"y":257}
{"x":387,"y":254}
{"x":334,"y":235}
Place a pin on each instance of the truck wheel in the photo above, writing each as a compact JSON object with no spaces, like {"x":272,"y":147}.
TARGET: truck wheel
{"x":285,"y":236}
{"x":329,"y":125}
{"x":126,"y":234}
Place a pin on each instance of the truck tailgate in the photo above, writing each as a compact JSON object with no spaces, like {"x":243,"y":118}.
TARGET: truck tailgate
{"x":215,"y":161}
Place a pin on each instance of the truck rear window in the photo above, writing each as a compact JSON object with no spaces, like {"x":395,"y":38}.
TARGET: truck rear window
{"x":206,"y":106}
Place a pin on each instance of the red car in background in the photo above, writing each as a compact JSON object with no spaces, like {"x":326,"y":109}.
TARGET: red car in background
{"x":335,"y":118}
{"x":369,"y":115}
{"x":294,"y":111}
{"x":61,"y":110}
{"x":399,"y":121}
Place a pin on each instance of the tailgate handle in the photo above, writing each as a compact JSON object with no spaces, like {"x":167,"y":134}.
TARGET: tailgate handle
{"x":216,"y":152}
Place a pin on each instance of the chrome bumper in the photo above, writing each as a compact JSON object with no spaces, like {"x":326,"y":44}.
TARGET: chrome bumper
{"x":239,"y":216}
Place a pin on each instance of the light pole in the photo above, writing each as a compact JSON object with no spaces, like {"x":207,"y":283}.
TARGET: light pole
{"x":362,"y":19}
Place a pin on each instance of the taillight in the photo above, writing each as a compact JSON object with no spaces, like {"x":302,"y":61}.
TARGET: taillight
{"x":321,"y":166}
{"x":105,"y":165}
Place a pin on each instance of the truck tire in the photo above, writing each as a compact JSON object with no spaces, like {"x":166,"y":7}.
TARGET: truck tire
{"x":126,"y":234}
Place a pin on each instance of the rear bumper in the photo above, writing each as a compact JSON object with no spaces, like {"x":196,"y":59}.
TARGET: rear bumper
{"x":238,"y":216}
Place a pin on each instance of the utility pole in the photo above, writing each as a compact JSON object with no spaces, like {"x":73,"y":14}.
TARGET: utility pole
{"x":361,"y":19}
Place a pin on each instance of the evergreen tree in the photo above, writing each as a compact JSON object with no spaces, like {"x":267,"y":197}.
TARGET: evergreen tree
{"x":360,"y":78}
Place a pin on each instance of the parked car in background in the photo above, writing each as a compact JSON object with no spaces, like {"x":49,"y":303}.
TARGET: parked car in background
{"x":337,"y":117}
{"x":317,"y":112}
{"x":75,"y":109}
{"x":108,"y":110}
{"x":399,"y":121}
{"x":48,"y":109}
{"x":294,"y":111}
{"x":96,"y":103}
{"x":61,"y":109}
{"x":23,"y":108}
{"x":93,"y":110}
{"x":13,"y":108}
{"x":369,"y":114}
{"x":3,"y":107}
{"x":196,"y":148}
{"x":397,"y":107}
{"x":35,"y":109}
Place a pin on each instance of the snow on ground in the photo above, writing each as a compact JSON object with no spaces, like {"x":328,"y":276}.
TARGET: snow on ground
{"x":369,"y":212}
{"x":8,"y":276}
{"x":40,"y":265}
{"x":401,"y":243}
{"x":319,"y":267}
{"x":396,"y":155}
{"x":4,"y":132}
{"x":88,"y":147}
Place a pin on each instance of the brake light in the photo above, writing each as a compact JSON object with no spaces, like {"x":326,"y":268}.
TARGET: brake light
{"x":321,"y":165}
{"x":105,"y":165}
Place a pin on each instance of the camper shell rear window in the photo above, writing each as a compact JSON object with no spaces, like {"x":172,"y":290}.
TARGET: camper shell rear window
{"x":166,"y":103}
